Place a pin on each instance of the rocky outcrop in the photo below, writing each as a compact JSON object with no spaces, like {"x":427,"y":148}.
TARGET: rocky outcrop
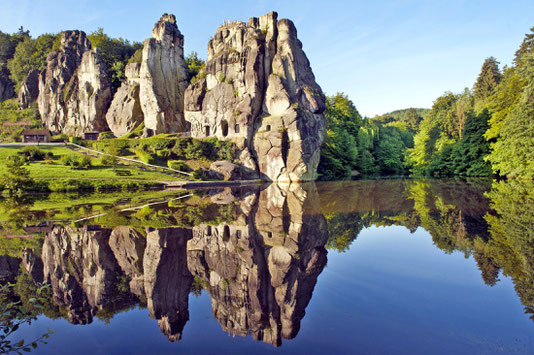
{"x":29,"y":90}
{"x":259,"y":90}
{"x":9,"y":267}
{"x":55,"y":80}
{"x":89,"y":96}
{"x":163,"y":79}
{"x":125,"y":113}
{"x":224,"y":170}
{"x":74,"y":90}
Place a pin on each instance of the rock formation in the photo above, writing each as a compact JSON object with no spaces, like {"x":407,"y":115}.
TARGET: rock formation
{"x":6,"y":88}
{"x":125,"y":114}
{"x":29,"y":90}
{"x":163,"y":78}
{"x":259,"y":90}
{"x":74,"y":90}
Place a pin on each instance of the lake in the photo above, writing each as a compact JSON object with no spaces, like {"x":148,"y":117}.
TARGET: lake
{"x":371,"y":266}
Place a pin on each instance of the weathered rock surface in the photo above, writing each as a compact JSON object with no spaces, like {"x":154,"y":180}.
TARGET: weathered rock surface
{"x":163,"y":78}
{"x":90,"y":96}
{"x":74,"y":90}
{"x":125,"y":113}
{"x":224,"y":170}
{"x":259,"y":90}
{"x":29,"y":90}
{"x":55,"y":81}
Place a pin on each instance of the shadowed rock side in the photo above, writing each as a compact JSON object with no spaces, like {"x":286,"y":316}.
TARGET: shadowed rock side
{"x":74,"y":90}
{"x":29,"y":90}
{"x":125,"y":113}
{"x":261,"y":270}
{"x":163,"y":79}
{"x":259,"y":90}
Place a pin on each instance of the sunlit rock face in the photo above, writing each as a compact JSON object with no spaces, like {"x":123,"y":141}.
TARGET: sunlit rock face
{"x":259,"y":90}
{"x":260,"y":271}
{"x":163,"y":79}
{"x":74,"y":90}
{"x":125,"y":113}
{"x":29,"y":90}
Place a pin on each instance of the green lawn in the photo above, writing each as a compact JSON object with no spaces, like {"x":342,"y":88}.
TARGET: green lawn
{"x":54,"y":170}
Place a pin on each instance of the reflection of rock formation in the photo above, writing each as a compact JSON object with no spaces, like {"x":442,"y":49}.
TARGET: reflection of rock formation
{"x":261,"y":270}
{"x":167,"y":280}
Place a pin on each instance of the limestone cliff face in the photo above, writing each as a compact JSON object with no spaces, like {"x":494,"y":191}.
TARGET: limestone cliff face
{"x":74,"y":90}
{"x":259,"y":90}
{"x":55,"y":79}
{"x":29,"y":90}
{"x":90,"y":96}
{"x":163,"y":78}
{"x":125,"y":113}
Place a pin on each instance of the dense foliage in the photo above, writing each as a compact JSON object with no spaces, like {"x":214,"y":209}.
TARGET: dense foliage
{"x":356,"y":146}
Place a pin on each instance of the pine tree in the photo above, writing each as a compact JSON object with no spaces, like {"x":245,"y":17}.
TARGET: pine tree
{"x":487,"y":81}
{"x":527,"y":46}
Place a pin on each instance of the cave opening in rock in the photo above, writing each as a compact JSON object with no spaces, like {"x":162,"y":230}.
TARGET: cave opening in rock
{"x":207,"y":130}
{"x":236,"y":128}
{"x":224,"y":128}
{"x":226,"y":233}
{"x":268,"y":128}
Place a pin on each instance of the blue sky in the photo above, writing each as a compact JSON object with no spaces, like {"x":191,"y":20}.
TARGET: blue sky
{"x":385,"y":55}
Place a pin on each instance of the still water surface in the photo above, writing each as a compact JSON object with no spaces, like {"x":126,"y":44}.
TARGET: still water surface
{"x":395,"y":266}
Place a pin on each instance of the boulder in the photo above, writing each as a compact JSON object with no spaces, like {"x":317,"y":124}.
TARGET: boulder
{"x":163,"y":79}
{"x":258,"y":89}
{"x":224,"y":170}
{"x":125,"y":113}
{"x":29,"y":90}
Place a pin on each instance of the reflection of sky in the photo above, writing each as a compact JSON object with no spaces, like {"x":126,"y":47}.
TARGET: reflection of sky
{"x":385,"y":55}
{"x":392,"y":292}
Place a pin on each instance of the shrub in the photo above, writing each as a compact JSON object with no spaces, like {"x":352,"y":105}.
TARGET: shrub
{"x":198,"y":174}
{"x":85,"y":162}
{"x":178,"y":165}
{"x":144,"y":156}
{"x":69,"y":160}
{"x":75,"y":140}
{"x":32,"y":153}
{"x":108,"y":160}
{"x":164,"y":153}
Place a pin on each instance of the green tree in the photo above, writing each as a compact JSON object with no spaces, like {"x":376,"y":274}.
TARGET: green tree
{"x":513,"y":152}
{"x":31,"y":54}
{"x":527,"y":47}
{"x":17,"y":178}
{"x":194,"y":65}
{"x":487,"y":81}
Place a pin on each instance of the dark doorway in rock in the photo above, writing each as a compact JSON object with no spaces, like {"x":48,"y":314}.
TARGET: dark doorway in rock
{"x":224,"y":128}
{"x":285,"y":146}
{"x":226,"y":233}
{"x":238,"y":234}
{"x":208,"y":231}
{"x":268,"y":128}
{"x":207,"y":130}
{"x":236,"y":128}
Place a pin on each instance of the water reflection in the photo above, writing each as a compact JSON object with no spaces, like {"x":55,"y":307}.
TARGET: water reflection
{"x":257,"y":251}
